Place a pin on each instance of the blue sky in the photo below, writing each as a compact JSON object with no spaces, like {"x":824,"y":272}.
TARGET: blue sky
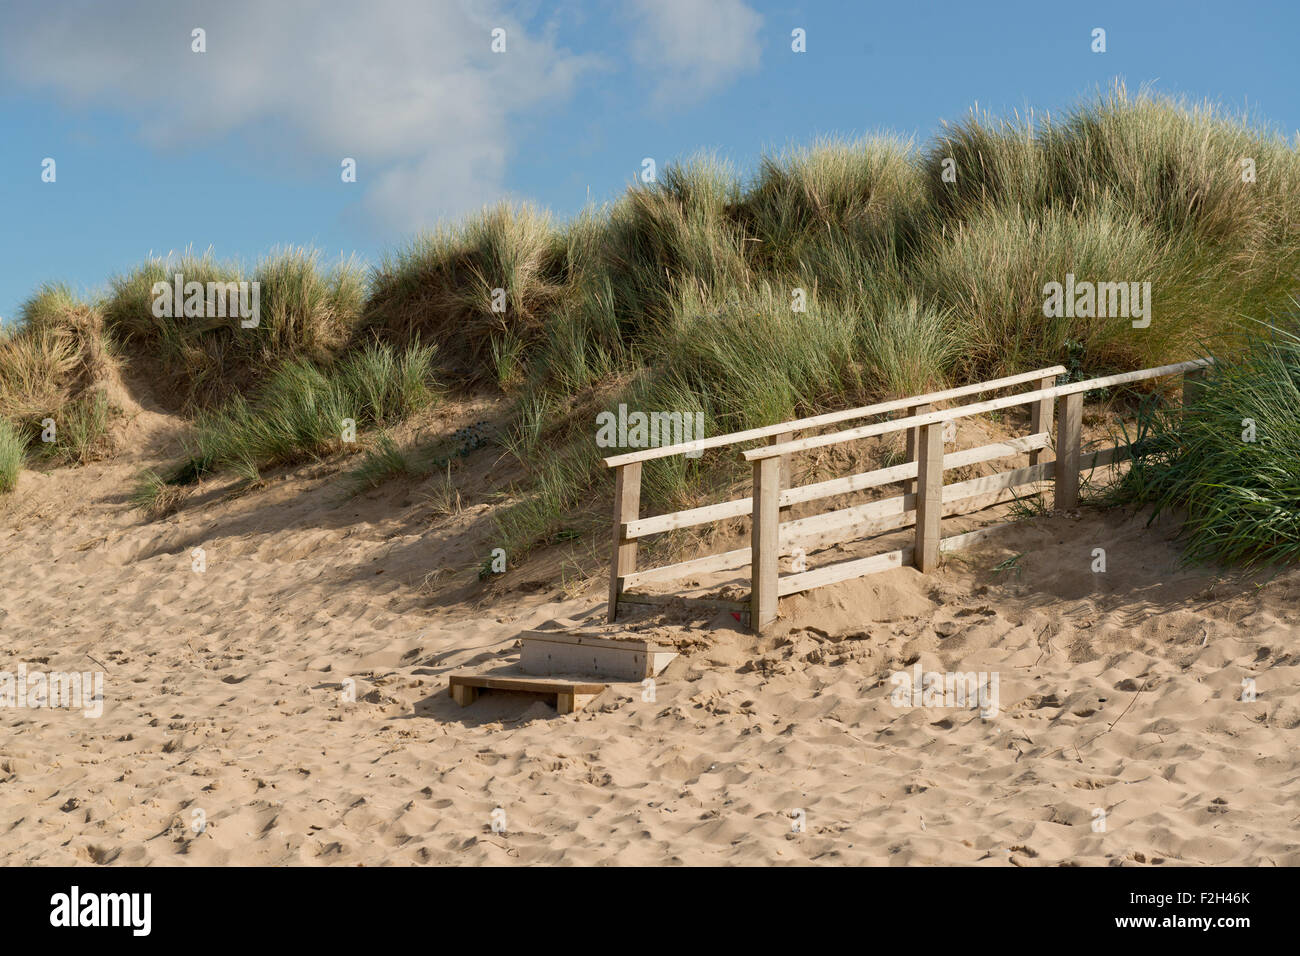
{"x":239,"y":148}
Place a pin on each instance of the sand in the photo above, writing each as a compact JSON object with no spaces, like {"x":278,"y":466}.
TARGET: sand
{"x":228,"y":735}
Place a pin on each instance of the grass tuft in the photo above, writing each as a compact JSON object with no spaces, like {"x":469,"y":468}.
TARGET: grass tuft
{"x":303,"y":412}
{"x":12,"y":454}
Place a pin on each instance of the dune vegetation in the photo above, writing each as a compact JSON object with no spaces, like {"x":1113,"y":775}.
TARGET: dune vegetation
{"x":11,"y":456}
{"x":53,"y":368}
{"x":1231,"y":465}
{"x":835,"y":274}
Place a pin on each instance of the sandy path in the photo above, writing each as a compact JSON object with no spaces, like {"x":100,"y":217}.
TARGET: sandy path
{"x":1118,"y":691}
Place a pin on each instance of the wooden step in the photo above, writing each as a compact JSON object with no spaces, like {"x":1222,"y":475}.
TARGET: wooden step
{"x":568,"y":695}
{"x":557,"y":652}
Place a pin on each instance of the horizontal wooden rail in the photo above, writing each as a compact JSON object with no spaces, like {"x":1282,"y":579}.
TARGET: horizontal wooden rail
{"x":885,"y":476}
{"x":741,"y":507}
{"x":902,"y":504}
{"x":860,"y":567}
{"x":886,"y":514}
{"x":965,"y":411}
{"x":829,"y":418}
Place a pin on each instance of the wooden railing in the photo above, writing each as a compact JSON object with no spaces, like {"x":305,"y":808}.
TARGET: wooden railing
{"x":629,"y":527}
{"x":925,"y":501}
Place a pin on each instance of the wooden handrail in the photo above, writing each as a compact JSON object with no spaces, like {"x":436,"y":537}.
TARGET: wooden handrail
{"x":925,"y":501}
{"x":965,"y":411}
{"x":829,"y":418}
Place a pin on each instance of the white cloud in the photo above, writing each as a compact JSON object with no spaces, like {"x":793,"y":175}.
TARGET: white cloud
{"x":409,"y":88}
{"x":695,"y":47}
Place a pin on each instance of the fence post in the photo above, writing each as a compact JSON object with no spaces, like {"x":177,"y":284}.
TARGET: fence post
{"x":1069,"y":437}
{"x":627,"y":507}
{"x":929,"y":497}
{"x":913,"y":437}
{"x":785,"y":474}
{"x":1040,"y":419}
{"x":764,"y":544}
{"x":1193,"y":382}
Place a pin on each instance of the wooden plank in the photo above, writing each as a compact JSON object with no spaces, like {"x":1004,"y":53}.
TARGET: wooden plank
{"x":847,"y":517}
{"x":684,"y":600}
{"x":1040,"y":420}
{"x":966,"y":505}
{"x":850,"y":484}
{"x":973,"y":487}
{"x":763,"y":545}
{"x":687,"y":518}
{"x":524,"y":684}
{"x":860,"y":567}
{"x":725,"y":561}
{"x":568,"y":695}
{"x":595,"y":641}
{"x":959,"y":542}
{"x":843,"y":571}
{"x":1106,"y":456}
{"x":829,"y":418}
{"x":898,"y":424}
{"x":1002,"y":449}
{"x":627,"y":505}
{"x":885,"y":476}
{"x":549,"y":652}
{"x":852,"y":528}
{"x":913,"y":440}
{"x":1125,"y":377}
{"x":568,"y":703}
{"x":929,"y":497}
{"x":1069,"y":434}
{"x":900,"y":505}
{"x":963,"y":411}
{"x":785,"y":474}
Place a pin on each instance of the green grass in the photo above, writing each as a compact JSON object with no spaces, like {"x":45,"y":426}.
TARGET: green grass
{"x":305,"y":310}
{"x":442,"y":286}
{"x":12,"y":454}
{"x":381,"y":462}
{"x":155,"y":497}
{"x":302,"y":411}
{"x":1240,"y":497}
{"x":56,"y":350}
{"x":53,"y":365}
{"x":1010,"y":565}
{"x":81,"y":430}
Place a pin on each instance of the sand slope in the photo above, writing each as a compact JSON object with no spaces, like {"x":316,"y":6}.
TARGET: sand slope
{"x":224,"y":694}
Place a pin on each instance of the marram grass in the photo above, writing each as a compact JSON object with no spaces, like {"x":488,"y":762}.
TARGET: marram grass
{"x":1231,"y":462}
{"x":11,"y":456}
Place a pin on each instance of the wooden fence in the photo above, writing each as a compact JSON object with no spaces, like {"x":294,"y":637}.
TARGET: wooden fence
{"x":925,"y":499}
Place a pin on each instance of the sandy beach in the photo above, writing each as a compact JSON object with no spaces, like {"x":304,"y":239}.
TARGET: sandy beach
{"x":288,"y":704}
